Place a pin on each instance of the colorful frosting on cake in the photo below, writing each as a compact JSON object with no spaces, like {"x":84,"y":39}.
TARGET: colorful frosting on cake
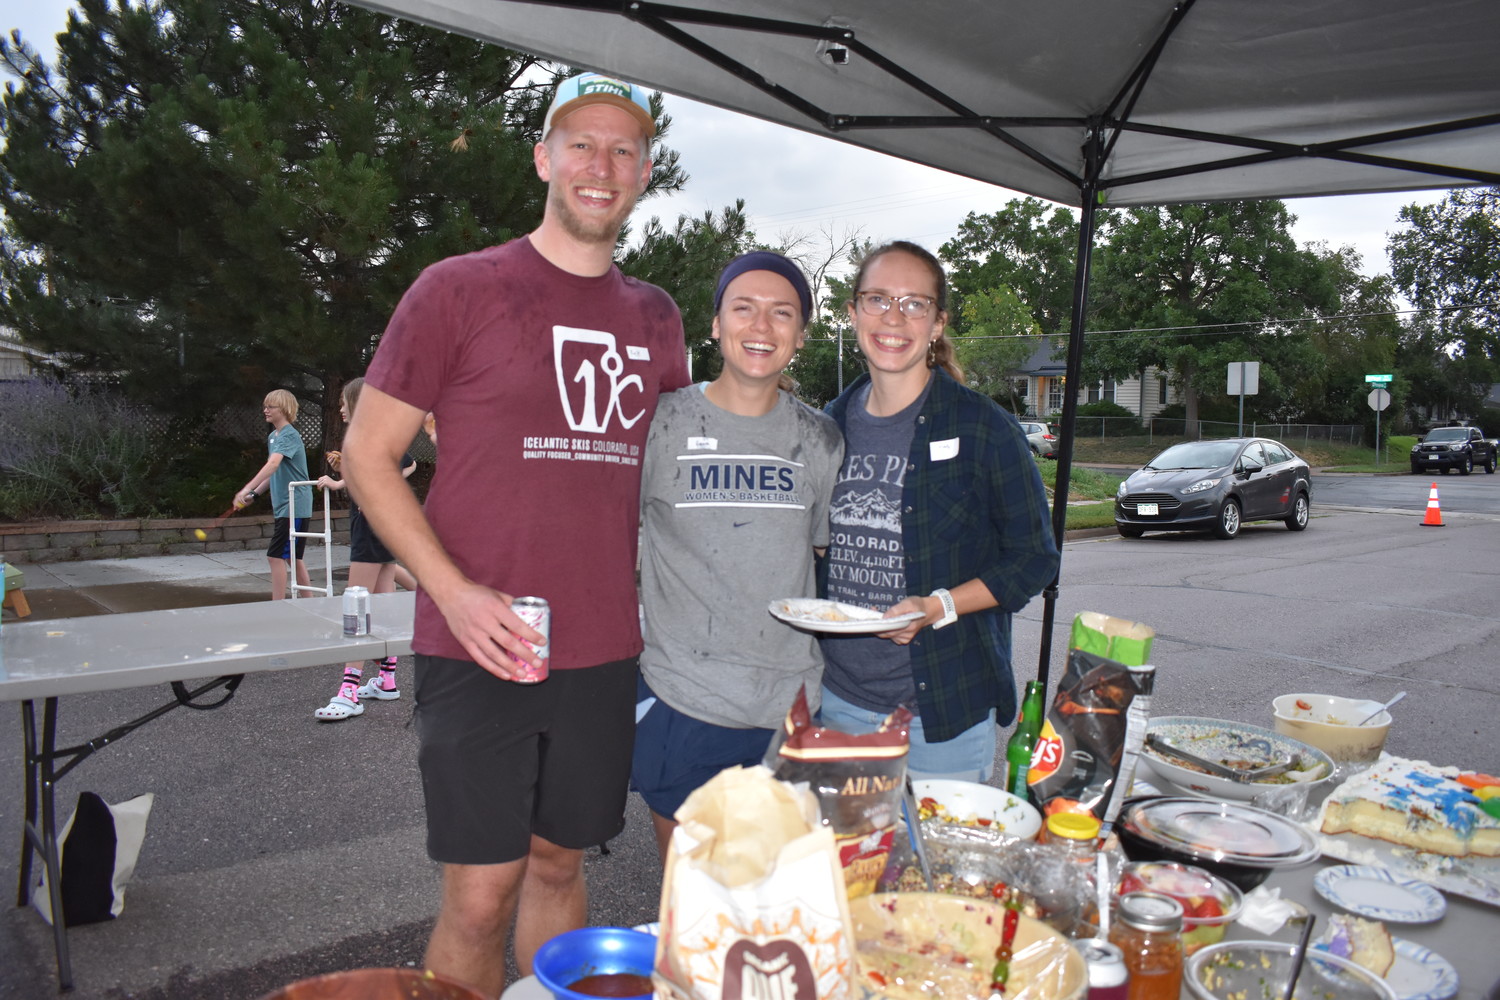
{"x":1415,"y":804}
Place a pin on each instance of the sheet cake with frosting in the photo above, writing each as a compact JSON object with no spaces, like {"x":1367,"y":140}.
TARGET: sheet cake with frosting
{"x":1417,"y":805}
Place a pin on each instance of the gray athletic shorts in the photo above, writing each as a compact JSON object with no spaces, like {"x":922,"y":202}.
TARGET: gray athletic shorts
{"x":501,"y":761}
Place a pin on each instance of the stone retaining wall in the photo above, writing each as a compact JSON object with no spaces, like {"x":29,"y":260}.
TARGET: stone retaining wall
{"x":67,"y":541}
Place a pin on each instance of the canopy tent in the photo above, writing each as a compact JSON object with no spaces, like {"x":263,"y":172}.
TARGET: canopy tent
{"x":1085,"y":102}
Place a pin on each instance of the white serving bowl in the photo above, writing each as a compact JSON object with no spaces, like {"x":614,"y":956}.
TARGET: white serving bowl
{"x":1329,"y":724}
{"x":1191,"y":732}
{"x":973,"y":804}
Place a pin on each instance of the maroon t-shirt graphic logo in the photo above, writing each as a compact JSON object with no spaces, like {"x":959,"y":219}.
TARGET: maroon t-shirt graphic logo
{"x":776,"y":970}
{"x":589,"y":369}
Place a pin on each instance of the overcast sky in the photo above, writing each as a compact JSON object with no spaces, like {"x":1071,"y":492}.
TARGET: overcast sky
{"x":794,"y":183}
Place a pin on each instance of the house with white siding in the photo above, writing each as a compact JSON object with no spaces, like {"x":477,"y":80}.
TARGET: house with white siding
{"x":1040,"y":382}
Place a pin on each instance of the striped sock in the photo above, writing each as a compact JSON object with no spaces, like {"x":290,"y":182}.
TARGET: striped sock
{"x":350,"y":687}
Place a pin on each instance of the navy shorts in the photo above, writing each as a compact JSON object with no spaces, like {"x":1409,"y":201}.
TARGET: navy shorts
{"x":501,"y":761}
{"x":281,"y":534}
{"x":364,"y":545}
{"x":676,"y":753}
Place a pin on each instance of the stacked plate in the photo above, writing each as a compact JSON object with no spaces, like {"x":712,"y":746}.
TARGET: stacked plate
{"x":1235,"y":841}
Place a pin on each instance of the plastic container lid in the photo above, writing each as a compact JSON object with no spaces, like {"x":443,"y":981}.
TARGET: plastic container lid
{"x":1073,"y":826}
{"x":1229,"y":832}
{"x":1150,"y":911}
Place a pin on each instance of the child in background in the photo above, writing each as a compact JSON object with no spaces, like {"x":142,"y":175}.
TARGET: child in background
{"x":371,"y":566}
{"x":286,"y":464}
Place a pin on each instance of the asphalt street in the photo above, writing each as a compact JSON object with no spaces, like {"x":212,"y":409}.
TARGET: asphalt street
{"x":279,"y":847}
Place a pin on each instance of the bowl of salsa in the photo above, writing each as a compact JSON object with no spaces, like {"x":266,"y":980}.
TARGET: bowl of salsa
{"x":596,"y":962}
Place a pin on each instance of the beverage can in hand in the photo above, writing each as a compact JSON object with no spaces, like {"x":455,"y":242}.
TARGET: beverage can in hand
{"x":536,"y":612}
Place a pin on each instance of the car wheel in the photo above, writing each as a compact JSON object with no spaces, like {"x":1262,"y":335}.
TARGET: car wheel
{"x":1301,"y":511}
{"x":1467,"y":467}
{"x":1036,"y":452}
{"x":1129,"y":532}
{"x":1229,"y":519}
{"x":1416,"y":470}
{"x":1489,"y":465}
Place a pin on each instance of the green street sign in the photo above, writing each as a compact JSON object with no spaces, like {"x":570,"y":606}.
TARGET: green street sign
{"x":1378,"y":378}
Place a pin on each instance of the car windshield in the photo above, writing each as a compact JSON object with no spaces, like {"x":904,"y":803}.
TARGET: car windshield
{"x":1196,"y":455}
{"x":1449,"y":434}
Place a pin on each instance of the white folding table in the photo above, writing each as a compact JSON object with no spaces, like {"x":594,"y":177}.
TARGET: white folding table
{"x":49,"y":659}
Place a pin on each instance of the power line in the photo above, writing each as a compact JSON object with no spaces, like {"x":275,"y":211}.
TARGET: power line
{"x":1218,"y":329}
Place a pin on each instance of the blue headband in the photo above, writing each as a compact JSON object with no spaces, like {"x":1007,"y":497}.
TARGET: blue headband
{"x":765,"y":260}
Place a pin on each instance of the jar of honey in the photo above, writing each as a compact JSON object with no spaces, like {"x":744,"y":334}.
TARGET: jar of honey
{"x":1148,"y":929}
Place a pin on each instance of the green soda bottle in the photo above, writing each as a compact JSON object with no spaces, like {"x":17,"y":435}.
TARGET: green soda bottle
{"x":1023,"y":741}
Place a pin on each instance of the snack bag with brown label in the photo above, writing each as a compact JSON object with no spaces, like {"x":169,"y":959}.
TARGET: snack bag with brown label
{"x":753,"y":904}
{"x":858,"y":780}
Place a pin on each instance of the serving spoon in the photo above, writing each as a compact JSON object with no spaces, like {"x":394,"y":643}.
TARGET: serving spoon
{"x":1382,"y":708}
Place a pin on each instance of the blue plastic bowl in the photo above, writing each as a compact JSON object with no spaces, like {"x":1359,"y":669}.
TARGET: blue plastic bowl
{"x":590,"y":951}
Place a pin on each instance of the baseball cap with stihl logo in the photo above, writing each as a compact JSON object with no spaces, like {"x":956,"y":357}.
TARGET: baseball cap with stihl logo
{"x":594,"y":88}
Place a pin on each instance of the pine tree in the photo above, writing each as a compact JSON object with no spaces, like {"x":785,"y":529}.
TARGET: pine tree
{"x":209,"y":198}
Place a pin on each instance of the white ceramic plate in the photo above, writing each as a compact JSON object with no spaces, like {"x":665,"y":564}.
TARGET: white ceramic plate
{"x":968,"y":801}
{"x":1420,"y":974}
{"x":832,"y":616}
{"x":1380,"y":895}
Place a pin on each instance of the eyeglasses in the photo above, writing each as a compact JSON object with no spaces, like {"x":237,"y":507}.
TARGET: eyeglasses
{"x":912,"y":306}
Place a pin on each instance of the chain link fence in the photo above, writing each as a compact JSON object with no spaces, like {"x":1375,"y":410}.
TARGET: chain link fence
{"x":1176,"y":429}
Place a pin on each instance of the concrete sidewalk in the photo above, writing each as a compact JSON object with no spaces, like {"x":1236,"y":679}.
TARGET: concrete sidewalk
{"x":153,"y":583}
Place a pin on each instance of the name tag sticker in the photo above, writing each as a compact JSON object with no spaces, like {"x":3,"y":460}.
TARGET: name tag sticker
{"x":943,"y":450}
{"x":637,"y":353}
{"x":703,"y":444}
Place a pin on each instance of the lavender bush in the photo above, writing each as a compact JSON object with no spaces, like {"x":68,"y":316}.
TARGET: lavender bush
{"x":74,"y":453}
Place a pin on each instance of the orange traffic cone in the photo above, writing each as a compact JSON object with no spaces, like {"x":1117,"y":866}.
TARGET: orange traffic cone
{"x":1434,"y":512}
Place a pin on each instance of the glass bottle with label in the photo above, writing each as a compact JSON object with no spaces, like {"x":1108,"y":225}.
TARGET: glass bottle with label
{"x":1023,"y":741}
{"x":1148,"y":929}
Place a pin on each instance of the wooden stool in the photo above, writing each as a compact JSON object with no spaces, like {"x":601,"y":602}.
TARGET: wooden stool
{"x":15,"y":597}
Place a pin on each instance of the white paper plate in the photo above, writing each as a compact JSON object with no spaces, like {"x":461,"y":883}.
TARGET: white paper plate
{"x":1419,"y":973}
{"x":814,"y":615}
{"x":1380,"y":895}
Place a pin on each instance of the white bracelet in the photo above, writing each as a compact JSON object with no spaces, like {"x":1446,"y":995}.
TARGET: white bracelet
{"x":950,"y":611}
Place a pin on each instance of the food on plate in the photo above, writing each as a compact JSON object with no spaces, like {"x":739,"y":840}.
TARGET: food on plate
{"x":1415,"y":804}
{"x":1366,"y":942}
{"x":917,"y":946}
{"x":931,"y":808}
{"x":829,"y":613}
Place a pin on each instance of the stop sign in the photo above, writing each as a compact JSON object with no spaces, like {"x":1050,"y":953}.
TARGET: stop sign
{"x":1379,"y":398}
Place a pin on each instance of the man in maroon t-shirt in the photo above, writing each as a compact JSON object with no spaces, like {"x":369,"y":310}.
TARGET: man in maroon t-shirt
{"x":543,"y":363}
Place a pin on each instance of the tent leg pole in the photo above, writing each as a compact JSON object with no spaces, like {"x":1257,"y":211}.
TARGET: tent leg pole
{"x":1089,"y":191}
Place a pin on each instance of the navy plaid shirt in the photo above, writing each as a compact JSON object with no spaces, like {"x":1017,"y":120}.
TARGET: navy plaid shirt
{"x":980,"y":513}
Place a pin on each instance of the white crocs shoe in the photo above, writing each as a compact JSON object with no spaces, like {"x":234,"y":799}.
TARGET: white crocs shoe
{"x":339,"y":709}
{"x":372,"y":689}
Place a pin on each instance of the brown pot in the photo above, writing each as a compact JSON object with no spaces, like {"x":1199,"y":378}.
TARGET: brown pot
{"x":376,"y":984}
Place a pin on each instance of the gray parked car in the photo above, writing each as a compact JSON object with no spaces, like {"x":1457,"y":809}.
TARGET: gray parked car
{"x":1042,"y":438}
{"x":1215,"y":486}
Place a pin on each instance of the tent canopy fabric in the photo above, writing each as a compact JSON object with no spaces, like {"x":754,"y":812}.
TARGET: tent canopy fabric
{"x":1083,"y":102}
{"x":1196,"y":100}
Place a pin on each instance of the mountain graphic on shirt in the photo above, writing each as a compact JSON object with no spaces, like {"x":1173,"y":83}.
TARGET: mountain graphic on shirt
{"x":872,"y":510}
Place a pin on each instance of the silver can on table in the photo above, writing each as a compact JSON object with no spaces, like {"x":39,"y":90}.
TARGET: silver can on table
{"x":356,"y":611}
{"x":536,"y":612}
